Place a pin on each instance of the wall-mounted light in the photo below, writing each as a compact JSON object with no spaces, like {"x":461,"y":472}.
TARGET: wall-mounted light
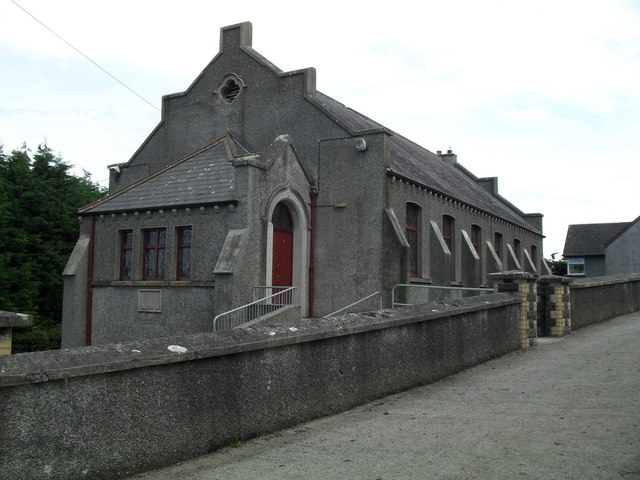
{"x":361,"y":144}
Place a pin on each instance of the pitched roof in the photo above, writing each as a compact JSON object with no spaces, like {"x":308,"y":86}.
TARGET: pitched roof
{"x":353,"y":121}
{"x":589,"y":238}
{"x":621,"y":232}
{"x":203,"y":177}
{"x":407,"y":160}
{"x":415,"y":163}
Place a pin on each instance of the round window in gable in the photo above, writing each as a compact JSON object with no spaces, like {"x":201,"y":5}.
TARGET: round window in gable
{"x":230,"y":91}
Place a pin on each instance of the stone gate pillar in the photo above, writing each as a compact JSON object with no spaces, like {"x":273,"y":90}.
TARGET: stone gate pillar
{"x":523,"y":284}
{"x":9,"y":320}
{"x":554,"y":300}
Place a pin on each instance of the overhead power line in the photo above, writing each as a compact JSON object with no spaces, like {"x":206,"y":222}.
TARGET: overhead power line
{"x":85,"y":56}
{"x":179,"y":126}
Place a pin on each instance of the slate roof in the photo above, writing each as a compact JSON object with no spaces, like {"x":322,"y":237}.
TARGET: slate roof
{"x":415,"y":163}
{"x":621,"y":232}
{"x":205,"y":176}
{"x":589,"y":238}
{"x":353,"y":121}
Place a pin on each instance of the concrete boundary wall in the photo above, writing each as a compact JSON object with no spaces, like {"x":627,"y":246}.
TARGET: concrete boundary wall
{"x":113,"y":410}
{"x":596,"y":299}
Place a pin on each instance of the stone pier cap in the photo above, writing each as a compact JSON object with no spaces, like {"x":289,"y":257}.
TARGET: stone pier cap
{"x":11,"y":319}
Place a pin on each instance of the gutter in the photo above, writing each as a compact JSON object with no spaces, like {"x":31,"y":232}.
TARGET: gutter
{"x":92,"y":232}
{"x":313,"y":194}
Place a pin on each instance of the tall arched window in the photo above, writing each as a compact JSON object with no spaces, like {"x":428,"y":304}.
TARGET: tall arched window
{"x":497,"y":244}
{"x":448,"y":230}
{"x":516,"y":248}
{"x":413,"y":237}
{"x":448,"y":233}
{"x":476,"y":237}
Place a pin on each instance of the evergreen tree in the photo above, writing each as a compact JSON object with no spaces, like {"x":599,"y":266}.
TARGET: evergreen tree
{"x":39,"y":199}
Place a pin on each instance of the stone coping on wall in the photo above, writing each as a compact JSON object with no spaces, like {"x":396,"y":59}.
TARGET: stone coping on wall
{"x":587,"y":282}
{"x":555,"y":278}
{"x":36,"y":367}
{"x":513,"y":274}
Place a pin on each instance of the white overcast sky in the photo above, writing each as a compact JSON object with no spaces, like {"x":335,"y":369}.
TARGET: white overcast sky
{"x":545,"y":95}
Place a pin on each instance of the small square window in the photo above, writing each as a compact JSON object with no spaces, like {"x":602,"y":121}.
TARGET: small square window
{"x":575,"y":266}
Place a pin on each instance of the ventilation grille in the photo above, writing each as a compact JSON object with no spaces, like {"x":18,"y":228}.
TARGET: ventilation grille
{"x":230,"y":91}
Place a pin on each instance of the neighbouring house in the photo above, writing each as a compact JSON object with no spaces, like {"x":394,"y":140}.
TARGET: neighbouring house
{"x":622,"y":251}
{"x":255,"y":178}
{"x":596,"y":249}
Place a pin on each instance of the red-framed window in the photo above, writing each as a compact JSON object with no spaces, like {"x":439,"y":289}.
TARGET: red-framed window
{"x":183,"y":268}
{"x":155,"y":243}
{"x":497,"y":243}
{"x":476,"y":237}
{"x":413,"y":237}
{"x":126,"y":254}
{"x":448,"y":224}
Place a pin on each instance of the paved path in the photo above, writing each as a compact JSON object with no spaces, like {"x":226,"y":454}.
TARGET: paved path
{"x":567,"y":409}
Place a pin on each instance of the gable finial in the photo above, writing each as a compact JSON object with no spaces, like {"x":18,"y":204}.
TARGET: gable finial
{"x":238,"y":35}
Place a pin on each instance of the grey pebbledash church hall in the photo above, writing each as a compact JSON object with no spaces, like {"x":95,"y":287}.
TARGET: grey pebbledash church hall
{"x":255,"y":178}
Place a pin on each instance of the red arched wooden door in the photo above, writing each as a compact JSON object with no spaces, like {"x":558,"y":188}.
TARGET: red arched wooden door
{"x":282,"y":246}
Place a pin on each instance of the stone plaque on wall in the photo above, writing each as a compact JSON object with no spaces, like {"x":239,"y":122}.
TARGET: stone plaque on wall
{"x":150,"y":300}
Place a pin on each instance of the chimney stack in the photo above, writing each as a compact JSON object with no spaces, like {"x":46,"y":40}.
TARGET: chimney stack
{"x":449,"y":157}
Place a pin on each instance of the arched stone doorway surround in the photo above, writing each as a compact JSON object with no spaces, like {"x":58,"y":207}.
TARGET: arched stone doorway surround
{"x":299,"y":215}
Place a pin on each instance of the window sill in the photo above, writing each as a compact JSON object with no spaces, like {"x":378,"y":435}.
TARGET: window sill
{"x":420,"y":280}
{"x":154,"y":283}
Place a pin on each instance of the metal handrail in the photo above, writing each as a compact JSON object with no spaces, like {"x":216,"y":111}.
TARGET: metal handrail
{"x":252,"y":311}
{"x":355,"y":303}
{"x":267,"y":290}
{"x":441,"y":287}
